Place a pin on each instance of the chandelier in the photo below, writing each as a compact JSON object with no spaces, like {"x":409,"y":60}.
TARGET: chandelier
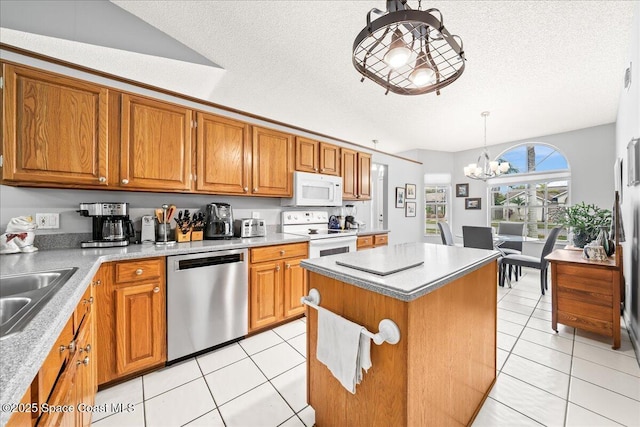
{"x":485,"y":168}
{"x":408,"y":52}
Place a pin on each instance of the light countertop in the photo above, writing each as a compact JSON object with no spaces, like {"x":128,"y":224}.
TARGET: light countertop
{"x":371,"y":232}
{"x":441,"y":265}
{"x":22,"y":354}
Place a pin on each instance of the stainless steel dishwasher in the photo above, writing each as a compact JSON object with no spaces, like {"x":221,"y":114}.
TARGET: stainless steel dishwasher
{"x":207,"y":300}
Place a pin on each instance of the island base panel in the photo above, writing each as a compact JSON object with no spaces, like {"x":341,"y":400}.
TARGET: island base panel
{"x":438,"y":374}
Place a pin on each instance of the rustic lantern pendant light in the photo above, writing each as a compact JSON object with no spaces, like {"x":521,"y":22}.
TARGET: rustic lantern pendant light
{"x":484,"y":168}
{"x":408,"y":52}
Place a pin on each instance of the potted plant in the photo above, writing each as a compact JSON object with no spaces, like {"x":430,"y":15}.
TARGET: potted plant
{"x":583,"y":221}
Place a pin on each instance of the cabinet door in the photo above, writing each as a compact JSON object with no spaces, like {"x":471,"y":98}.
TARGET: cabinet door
{"x":329,"y":159}
{"x":272,"y":163}
{"x":140,"y":327}
{"x":306,"y":155}
{"x":295,"y":287}
{"x":223,"y":155}
{"x":265,"y":297}
{"x":86,"y":382}
{"x":64,"y":393}
{"x":155,"y":145}
{"x":54,"y":129}
{"x":349,"y":170}
{"x":105,"y":323}
{"x":364,"y":176}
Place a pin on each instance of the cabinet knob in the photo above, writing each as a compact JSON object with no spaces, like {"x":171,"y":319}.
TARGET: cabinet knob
{"x":97,"y":283}
{"x":277,"y":268}
{"x":88,"y":301}
{"x":156,"y":289}
{"x":125,"y":181}
{"x":315,"y":169}
{"x":86,"y":349}
{"x":322,"y":170}
{"x":84,"y":361}
{"x":255,"y":189}
{"x":288,"y":266}
{"x":139,"y":272}
{"x":282,"y":252}
{"x":71,"y":347}
{"x":246,"y":189}
{"x":102,"y":179}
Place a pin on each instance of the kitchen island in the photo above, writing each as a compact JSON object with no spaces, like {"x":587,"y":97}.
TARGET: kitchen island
{"x":444,"y":365}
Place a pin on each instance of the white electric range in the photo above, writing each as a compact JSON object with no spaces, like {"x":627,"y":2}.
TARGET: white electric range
{"x":315,"y":224}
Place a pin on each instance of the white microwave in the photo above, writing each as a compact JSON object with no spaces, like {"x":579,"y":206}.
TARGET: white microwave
{"x":312,"y":189}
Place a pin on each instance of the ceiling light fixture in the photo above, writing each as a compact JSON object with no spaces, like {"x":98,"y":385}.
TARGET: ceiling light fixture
{"x":385,"y":50}
{"x":485,"y":168}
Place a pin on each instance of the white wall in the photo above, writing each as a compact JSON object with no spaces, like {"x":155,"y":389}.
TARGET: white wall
{"x":590,"y":153}
{"x":628,"y":127}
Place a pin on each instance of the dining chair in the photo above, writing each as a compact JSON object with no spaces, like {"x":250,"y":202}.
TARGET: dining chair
{"x":445,"y":233}
{"x":532,"y":262}
{"x":507,"y":228}
{"x":477,"y":237}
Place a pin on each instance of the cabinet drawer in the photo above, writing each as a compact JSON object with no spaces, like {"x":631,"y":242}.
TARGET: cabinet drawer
{"x":364,"y":242}
{"x":593,"y":280}
{"x":274,"y":253}
{"x":139,"y":270}
{"x":594,"y":310}
{"x":54,"y":361}
{"x":380,"y":240}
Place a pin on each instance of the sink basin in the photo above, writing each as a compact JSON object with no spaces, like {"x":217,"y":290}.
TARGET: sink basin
{"x":22,"y":296}
{"x":9,"y":307}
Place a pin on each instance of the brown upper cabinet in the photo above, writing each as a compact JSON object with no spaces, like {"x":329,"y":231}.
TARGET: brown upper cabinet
{"x":272,"y":163}
{"x":317,"y":157}
{"x":356,"y":175}
{"x":223,"y":156}
{"x":155,"y":150}
{"x":54,"y":129}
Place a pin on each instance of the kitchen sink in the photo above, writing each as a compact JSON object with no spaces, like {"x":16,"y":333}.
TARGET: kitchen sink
{"x":9,"y":307}
{"x":22,"y":296}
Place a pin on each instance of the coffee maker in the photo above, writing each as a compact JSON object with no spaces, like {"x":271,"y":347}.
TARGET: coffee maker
{"x":219,"y":221}
{"x":111,"y":224}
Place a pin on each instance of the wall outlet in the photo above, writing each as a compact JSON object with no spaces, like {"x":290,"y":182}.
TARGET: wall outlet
{"x":255,"y":214}
{"x":48,"y":220}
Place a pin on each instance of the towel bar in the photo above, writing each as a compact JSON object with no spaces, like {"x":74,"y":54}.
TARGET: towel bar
{"x":388,"y":331}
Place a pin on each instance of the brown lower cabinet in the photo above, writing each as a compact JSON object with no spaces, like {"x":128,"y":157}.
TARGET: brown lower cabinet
{"x":131,"y":318}
{"x":276,"y":284}
{"x":68,"y":376}
{"x":372,"y":241}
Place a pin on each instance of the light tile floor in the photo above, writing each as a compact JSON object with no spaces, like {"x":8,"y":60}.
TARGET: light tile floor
{"x":572,"y":378}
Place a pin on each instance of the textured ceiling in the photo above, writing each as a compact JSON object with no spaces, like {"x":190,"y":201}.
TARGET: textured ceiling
{"x":539,"y":67}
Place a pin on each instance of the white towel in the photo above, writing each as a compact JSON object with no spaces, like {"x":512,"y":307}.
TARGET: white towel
{"x":342,"y":348}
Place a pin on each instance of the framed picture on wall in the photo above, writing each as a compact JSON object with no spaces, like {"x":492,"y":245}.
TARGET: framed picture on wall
{"x":473,"y":203}
{"x":633,"y":162}
{"x":399,"y":197}
{"x":462,"y":190}
{"x":410,"y":209}
{"x":411,"y":191}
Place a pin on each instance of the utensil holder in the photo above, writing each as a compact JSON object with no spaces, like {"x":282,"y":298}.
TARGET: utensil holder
{"x":183,"y":237}
{"x":163,"y":234}
{"x":197,"y":235}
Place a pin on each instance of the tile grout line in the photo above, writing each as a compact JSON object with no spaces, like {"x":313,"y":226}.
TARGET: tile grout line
{"x":215,"y":404}
{"x":566,"y":403}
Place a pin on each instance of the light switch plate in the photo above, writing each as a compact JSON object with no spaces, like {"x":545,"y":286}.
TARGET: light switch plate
{"x":255,"y":214}
{"x":48,"y":220}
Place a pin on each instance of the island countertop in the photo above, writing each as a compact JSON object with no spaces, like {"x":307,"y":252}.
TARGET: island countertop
{"x":440,"y":265}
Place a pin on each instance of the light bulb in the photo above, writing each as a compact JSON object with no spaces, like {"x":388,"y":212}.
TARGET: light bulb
{"x":422,"y":74}
{"x":504,"y":167}
{"x":467,"y":170}
{"x":493,"y":166}
{"x":398,"y":53}
{"x":478,"y":171}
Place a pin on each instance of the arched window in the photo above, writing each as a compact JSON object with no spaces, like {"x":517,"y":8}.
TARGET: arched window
{"x":537,"y":183}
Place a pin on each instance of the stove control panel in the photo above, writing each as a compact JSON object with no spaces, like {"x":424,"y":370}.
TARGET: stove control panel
{"x":304,"y":217}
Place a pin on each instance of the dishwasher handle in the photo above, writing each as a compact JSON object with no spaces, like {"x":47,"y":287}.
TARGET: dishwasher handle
{"x":208,"y":261}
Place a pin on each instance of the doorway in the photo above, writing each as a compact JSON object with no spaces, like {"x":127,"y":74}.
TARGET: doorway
{"x":380,"y":196}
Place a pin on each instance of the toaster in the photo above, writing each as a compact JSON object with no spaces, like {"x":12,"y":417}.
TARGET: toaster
{"x":249,"y":227}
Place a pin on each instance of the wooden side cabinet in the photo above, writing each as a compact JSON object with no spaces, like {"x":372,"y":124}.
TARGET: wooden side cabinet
{"x":317,"y":157}
{"x":277,"y":282}
{"x":54,"y":129}
{"x":586,"y":294}
{"x":272,"y":163}
{"x":132,"y":321}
